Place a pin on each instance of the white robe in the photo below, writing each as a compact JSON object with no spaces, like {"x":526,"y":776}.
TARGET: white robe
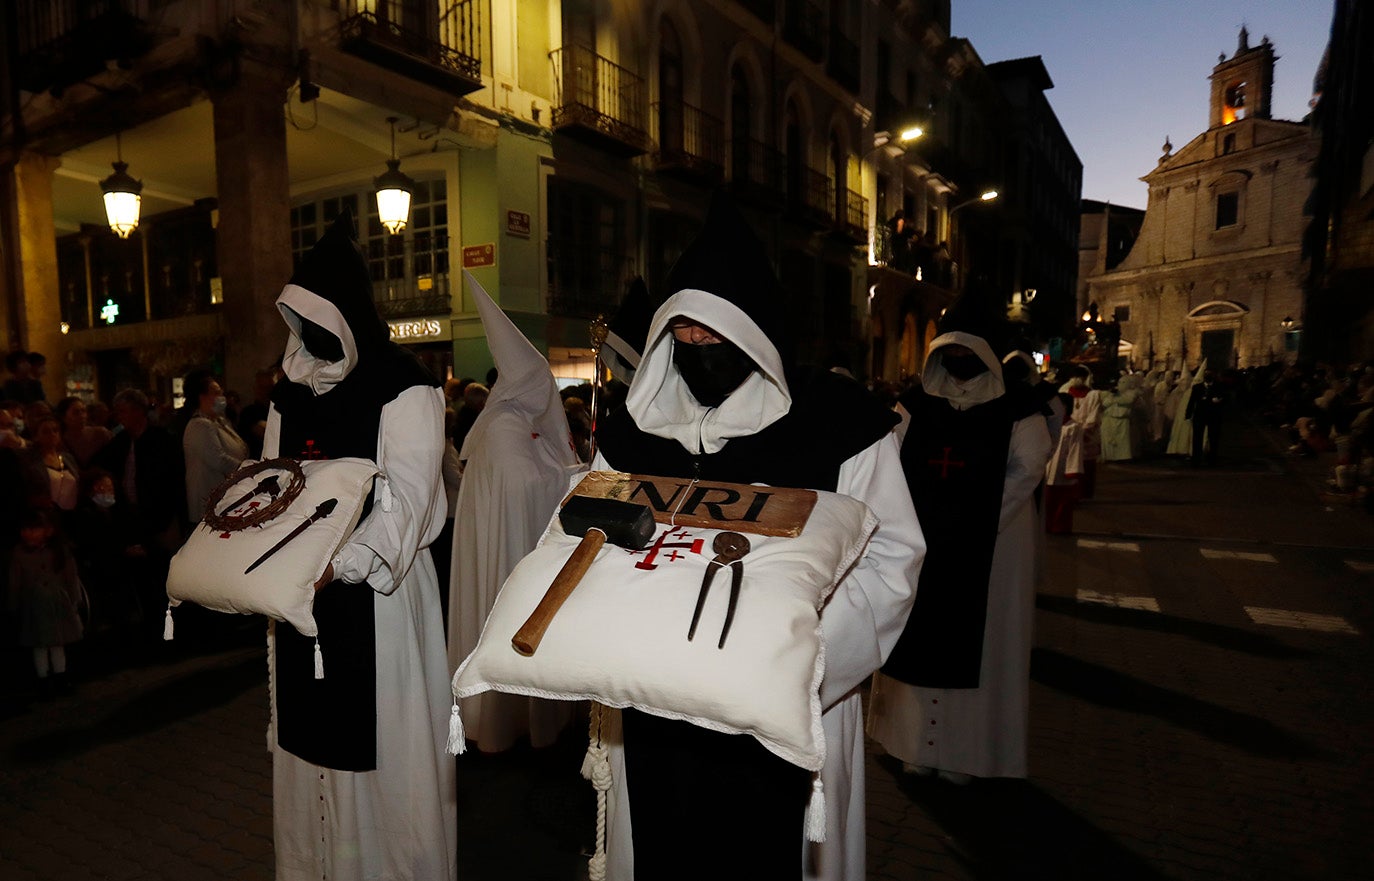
{"x":860,"y":624}
{"x":863,"y":618}
{"x":981,"y":731}
{"x":399,"y":821}
{"x":511,"y":487}
{"x":519,"y":458}
{"x":1121,"y":425}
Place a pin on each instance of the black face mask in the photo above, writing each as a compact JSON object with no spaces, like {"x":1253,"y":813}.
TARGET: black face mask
{"x":320,"y":342}
{"x":963,"y":367}
{"x":712,"y":371}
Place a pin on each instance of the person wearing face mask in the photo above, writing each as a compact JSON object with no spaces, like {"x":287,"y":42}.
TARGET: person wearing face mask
{"x":212,"y":448}
{"x":717,"y":396}
{"x":108,"y":553}
{"x":953,"y":696}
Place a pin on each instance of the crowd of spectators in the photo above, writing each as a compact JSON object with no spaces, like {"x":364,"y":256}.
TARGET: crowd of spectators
{"x":95,"y":499}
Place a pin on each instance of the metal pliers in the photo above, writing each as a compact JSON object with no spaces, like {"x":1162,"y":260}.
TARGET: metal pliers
{"x":730,"y":548}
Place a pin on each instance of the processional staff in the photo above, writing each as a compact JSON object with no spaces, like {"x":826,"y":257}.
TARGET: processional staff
{"x":597,"y":331}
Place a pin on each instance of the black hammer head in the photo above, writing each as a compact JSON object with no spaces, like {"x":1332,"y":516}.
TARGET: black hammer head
{"x":625,"y":523}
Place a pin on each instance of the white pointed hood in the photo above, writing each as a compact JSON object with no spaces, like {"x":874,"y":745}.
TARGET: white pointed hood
{"x":524,"y":383}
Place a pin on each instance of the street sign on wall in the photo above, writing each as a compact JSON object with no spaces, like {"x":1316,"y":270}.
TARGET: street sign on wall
{"x":479,"y":255}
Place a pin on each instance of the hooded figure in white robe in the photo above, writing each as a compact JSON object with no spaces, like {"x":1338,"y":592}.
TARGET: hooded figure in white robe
{"x":1161,"y":419}
{"x":713,"y":396}
{"x":518,"y":460}
{"x":954,"y":695}
{"x":363,"y":788}
{"x":1122,"y":420}
{"x":1181,"y":437}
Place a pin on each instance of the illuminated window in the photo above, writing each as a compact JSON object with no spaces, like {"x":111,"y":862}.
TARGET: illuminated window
{"x":1234,"y":107}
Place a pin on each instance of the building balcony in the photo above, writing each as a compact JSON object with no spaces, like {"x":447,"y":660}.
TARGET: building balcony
{"x":586,"y":282}
{"x":852,"y":219}
{"x":691,"y":143}
{"x":804,"y":27}
{"x":843,"y":61}
{"x":756,"y":173}
{"x":895,"y":255}
{"x":435,"y":43}
{"x":61,"y":42}
{"x":598,"y":102}
{"x":810,"y":198}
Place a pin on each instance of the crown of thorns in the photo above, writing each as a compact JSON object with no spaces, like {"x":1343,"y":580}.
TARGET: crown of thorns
{"x":221,"y":520}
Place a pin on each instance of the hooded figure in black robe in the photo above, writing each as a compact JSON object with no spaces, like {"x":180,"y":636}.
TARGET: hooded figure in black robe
{"x":715,"y":396}
{"x":953,"y":691}
{"x":365,"y":743}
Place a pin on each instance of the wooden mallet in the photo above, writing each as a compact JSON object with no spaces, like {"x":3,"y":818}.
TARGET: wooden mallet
{"x":597,"y":520}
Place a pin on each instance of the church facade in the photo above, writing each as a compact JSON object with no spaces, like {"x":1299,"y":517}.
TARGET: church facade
{"x":1217,"y":270}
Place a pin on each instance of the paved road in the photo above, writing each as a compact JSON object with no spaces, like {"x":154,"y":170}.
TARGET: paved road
{"x":1199,"y":710}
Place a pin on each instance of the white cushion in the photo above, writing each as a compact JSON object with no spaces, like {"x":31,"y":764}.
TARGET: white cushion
{"x":209,"y":568}
{"x":621,"y":638}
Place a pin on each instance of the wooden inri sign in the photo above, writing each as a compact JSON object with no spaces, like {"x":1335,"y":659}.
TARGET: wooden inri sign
{"x":761,"y":510}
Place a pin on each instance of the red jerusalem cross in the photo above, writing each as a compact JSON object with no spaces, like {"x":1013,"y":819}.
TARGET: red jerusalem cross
{"x":693,"y":545}
{"x":945,"y":463}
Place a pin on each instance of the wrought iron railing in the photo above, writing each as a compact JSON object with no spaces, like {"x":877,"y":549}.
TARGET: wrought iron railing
{"x":586,"y":281}
{"x":688,"y":136}
{"x":39,"y":23}
{"x":598,"y":93}
{"x":410,"y":307}
{"x":855,"y":220}
{"x":810,"y":192}
{"x":756,"y":164}
{"x":446,"y":34}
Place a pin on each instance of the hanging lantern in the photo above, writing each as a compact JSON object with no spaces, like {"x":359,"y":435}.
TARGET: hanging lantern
{"x":393,"y":190}
{"x":122,"y":196}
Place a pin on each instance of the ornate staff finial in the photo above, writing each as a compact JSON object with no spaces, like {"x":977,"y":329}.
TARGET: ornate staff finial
{"x":597,"y":331}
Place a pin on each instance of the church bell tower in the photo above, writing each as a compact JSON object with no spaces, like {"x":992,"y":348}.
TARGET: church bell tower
{"x":1243,"y":83}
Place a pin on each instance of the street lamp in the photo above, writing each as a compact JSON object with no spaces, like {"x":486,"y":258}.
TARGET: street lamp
{"x":985,"y":196}
{"x":393,"y":190}
{"x":123,"y":198}
{"x":1287,"y":323}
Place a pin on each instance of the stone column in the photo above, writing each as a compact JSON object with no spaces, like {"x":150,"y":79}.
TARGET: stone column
{"x":253,"y":238}
{"x":33,"y":244}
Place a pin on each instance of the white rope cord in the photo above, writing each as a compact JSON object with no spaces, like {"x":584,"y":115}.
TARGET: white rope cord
{"x":596,"y":767}
{"x":672,"y":518}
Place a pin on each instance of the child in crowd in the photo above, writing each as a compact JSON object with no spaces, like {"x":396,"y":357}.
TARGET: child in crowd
{"x":45,"y":598}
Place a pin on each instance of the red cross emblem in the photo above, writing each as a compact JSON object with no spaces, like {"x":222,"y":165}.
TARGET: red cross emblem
{"x":241,"y":512}
{"x":946,"y":463}
{"x":686,"y":543}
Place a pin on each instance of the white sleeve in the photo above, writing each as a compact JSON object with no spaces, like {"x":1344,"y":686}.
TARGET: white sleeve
{"x":271,"y":438}
{"x":868,"y":611}
{"x":1026,"y":460}
{"x":408,"y":507}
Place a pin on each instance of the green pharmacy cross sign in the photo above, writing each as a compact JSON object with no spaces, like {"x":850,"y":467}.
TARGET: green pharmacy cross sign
{"x":110,"y":311}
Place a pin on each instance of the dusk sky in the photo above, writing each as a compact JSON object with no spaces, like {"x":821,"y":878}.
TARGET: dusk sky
{"x":1127,"y":74}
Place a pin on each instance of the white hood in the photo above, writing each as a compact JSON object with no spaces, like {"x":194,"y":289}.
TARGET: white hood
{"x":524,"y":383}
{"x":660,"y":401}
{"x":962,"y":394}
{"x":298,"y":364}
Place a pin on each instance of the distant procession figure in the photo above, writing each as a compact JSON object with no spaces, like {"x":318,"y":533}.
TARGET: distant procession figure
{"x":1181,"y":436}
{"x":953,"y":697}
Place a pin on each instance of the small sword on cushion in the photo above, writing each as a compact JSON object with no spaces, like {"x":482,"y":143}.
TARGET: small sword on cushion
{"x":324,"y":510}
